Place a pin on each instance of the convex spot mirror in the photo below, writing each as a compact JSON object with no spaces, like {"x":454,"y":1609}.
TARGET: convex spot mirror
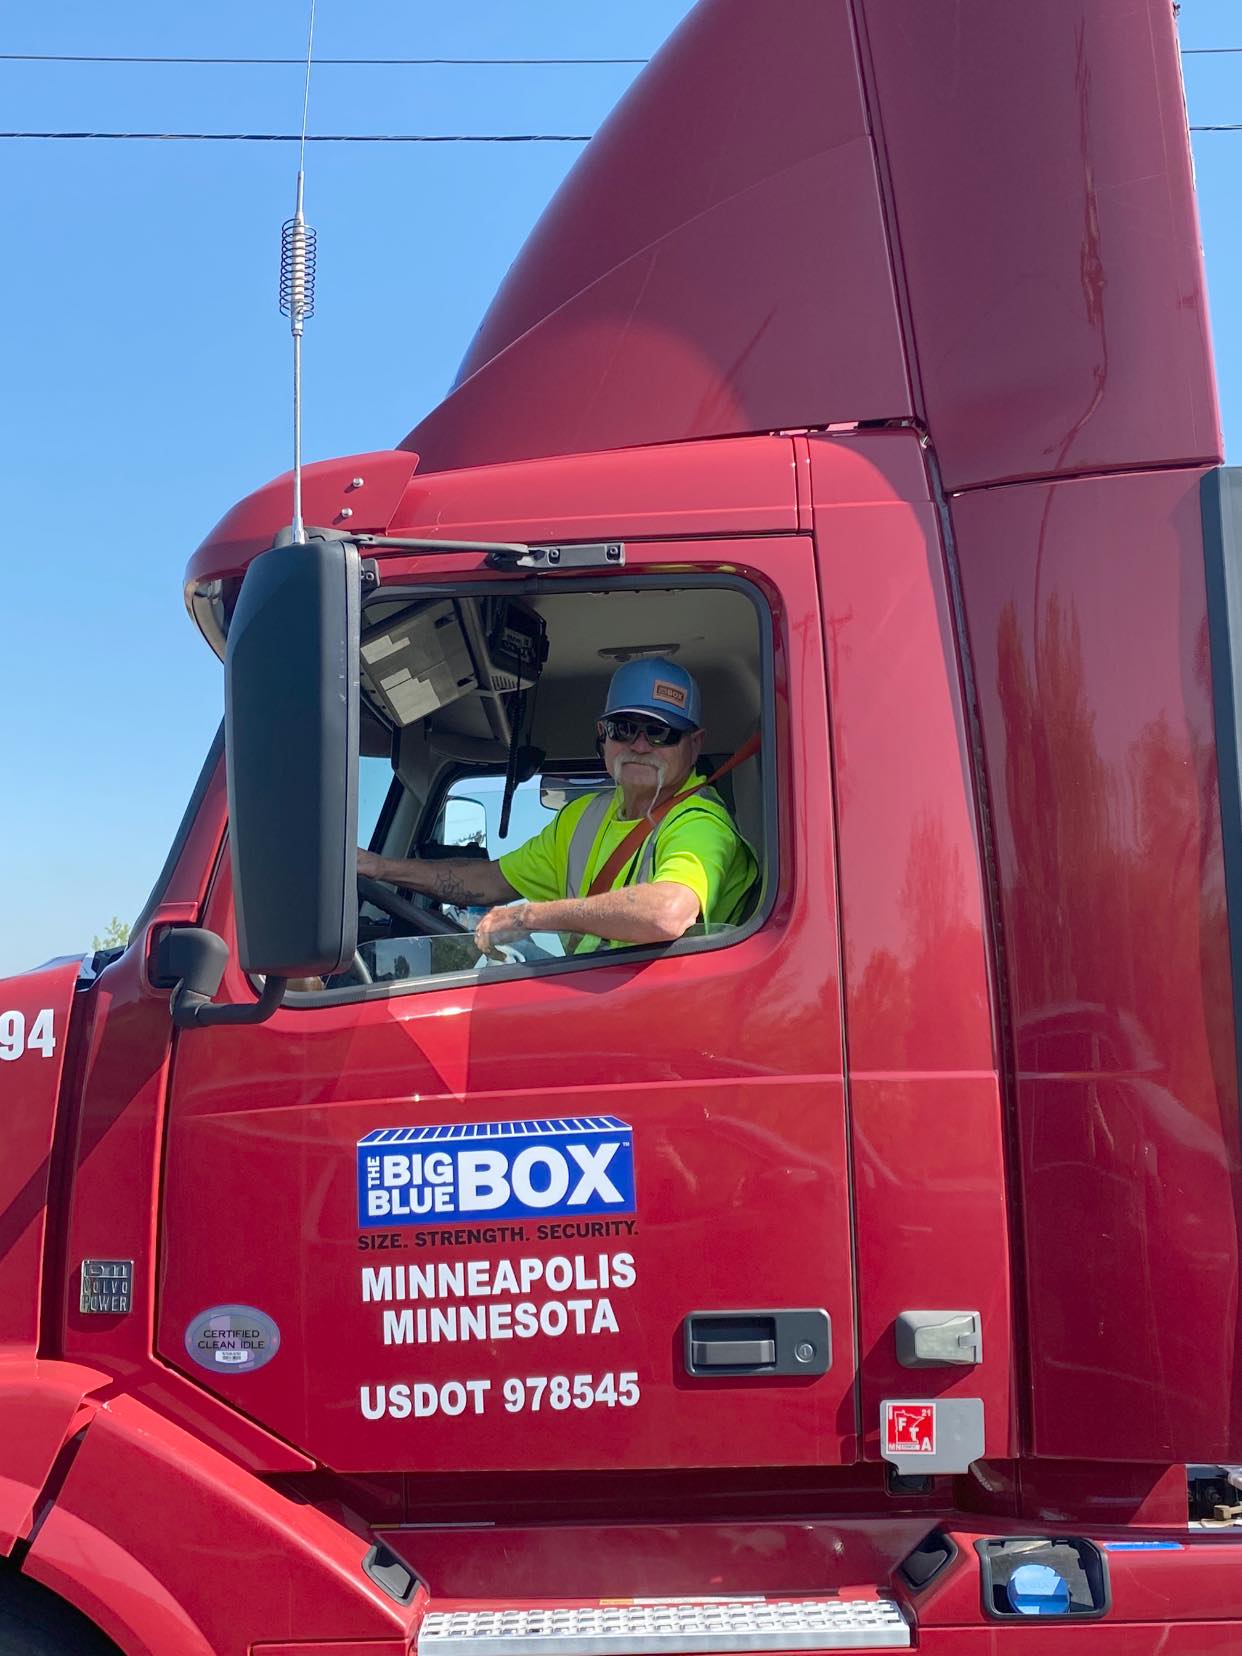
{"x":291,"y":750}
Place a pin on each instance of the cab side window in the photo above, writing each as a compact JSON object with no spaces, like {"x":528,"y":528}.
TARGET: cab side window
{"x":375,"y":783}
{"x":475,"y":688}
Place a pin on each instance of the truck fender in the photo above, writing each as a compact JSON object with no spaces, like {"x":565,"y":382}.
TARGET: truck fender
{"x":167,"y":1544}
{"x":43,"y":1406}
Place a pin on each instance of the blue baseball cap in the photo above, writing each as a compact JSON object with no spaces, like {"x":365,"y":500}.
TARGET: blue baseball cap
{"x":658,"y":687}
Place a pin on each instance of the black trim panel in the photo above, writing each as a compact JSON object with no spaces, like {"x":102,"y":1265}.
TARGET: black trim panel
{"x":1220,"y":497}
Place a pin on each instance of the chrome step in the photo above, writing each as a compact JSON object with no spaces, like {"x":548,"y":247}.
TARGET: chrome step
{"x":666,"y":1627}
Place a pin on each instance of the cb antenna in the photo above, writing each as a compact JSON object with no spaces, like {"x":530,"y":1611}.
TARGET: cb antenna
{"x":297,"y":289}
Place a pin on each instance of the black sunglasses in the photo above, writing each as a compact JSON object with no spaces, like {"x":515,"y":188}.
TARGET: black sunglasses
{"x":624,"y":728}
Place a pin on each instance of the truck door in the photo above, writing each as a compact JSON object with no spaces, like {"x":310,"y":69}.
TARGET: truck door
{"x":615,"y":1191}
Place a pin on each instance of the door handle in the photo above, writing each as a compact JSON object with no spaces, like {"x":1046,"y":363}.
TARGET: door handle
{"x":718,"y":1353}
{"x":758,"y":1343}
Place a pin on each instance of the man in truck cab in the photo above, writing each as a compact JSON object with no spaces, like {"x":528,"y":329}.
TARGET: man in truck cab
{"x":639,"y":864}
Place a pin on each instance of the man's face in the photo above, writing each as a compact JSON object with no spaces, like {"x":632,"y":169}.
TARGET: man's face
{"x":640,"y":764}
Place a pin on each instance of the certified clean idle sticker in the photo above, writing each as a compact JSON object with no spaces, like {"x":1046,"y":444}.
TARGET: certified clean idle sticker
{"x":232,"y":1339}
{"x":496,"y":1170}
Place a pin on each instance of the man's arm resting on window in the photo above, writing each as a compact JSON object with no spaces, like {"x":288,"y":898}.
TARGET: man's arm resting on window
{"x":458,"y":880}
{"x":659,"y":911}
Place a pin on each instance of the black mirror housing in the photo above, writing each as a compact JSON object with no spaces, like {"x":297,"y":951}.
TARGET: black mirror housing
{"x":191,"y":956}
{"x":291,"y":751}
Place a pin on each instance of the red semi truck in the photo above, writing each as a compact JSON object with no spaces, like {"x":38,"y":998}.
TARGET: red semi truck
{"x":860,"y":1275}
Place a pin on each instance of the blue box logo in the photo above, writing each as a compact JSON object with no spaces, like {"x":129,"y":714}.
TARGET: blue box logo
{"x":495,"y":1170}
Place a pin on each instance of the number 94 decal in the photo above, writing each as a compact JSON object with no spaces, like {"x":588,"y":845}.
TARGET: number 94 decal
{"x":16,"y":1039}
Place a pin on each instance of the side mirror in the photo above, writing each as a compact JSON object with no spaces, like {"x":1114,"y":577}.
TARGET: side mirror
{"x":291,"y":751}
{"x":465,"y":823}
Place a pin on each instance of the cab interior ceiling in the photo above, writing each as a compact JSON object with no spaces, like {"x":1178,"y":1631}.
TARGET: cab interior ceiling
{"x":711,"y":631}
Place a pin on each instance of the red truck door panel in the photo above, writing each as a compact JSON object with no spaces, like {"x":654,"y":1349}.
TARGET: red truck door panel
{"x":719,"y":1072}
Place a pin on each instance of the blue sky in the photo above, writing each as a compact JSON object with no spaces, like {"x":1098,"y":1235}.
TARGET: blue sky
{"x":146,"y":382}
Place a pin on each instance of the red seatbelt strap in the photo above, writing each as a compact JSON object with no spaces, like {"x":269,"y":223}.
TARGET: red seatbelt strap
{"x":639,"y":833}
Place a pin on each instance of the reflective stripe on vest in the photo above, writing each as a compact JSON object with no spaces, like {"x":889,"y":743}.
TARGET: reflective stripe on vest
{"x":646,"y":858}
{"x":583,"y":838}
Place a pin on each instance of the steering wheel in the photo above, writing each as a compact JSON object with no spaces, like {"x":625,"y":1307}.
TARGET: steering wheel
{"x":426,"y":921}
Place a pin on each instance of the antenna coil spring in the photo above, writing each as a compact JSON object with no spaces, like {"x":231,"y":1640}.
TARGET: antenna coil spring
{"x":297,"y":271}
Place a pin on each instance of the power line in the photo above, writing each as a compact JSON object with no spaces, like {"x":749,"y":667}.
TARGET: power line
{"x":404,"y":62}
{"x":65,"y":57}
{"x":408,"y":63}
{"x":323,"y":137}
{"x":373,"y":137}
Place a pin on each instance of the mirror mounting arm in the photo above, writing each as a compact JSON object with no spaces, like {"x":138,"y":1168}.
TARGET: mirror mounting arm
{"x":193,"y":1010}
{"x":510,"y":556}
{"x":494,"y":549}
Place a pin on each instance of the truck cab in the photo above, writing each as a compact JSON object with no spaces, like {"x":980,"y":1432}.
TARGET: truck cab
{"x":737,"y":1228}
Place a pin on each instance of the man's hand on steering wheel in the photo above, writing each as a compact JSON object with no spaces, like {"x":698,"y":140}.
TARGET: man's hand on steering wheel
{"x":370,"y":865}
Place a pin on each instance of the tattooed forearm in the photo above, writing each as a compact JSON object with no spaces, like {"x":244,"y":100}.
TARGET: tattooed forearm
{"x":448,"y":884}
{"x":460,"y":881}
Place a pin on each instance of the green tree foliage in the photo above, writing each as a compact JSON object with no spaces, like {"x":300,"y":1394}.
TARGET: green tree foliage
{"x":116,"y":935}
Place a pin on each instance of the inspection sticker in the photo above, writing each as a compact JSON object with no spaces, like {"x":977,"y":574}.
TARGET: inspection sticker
{"x":495,"y":1169}
{"x":909,"y":1428}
